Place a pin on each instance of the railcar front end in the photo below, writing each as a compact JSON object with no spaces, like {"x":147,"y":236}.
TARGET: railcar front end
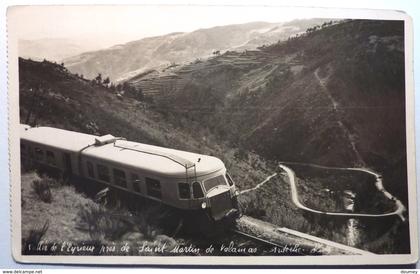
{"x":216,"y":195}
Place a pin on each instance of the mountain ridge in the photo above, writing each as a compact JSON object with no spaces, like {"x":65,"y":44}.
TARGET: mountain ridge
{"x":120,"y":62}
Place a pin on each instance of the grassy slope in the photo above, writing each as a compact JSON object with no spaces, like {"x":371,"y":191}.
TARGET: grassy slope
{"x":61,"y":213}
{"x":67,"y":224}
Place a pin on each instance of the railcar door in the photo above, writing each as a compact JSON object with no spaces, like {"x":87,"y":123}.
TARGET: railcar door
{"x":68,"y":171}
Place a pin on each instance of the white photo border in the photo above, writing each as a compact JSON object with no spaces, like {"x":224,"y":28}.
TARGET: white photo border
{"x":15,"y":177}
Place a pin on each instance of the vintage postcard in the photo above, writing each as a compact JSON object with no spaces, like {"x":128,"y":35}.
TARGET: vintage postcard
{"x":211,"y":135}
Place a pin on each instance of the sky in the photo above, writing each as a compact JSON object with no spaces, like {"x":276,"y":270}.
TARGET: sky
{"x":112,"y":25}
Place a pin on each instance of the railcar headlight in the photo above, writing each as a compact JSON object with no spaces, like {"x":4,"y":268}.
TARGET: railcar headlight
{"x":203,"y":205}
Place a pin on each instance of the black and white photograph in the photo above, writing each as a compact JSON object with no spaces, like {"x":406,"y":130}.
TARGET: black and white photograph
{"x":248,"y":135}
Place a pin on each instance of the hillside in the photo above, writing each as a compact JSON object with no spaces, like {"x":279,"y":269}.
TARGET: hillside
{"x":123,"y":61}
{"x":332,"y":96}
{"x":51,"y":96}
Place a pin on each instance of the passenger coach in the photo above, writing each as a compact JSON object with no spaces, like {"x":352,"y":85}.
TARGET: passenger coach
{"x":180,"y":179}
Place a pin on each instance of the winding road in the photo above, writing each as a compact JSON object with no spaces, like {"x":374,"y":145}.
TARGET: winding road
{"x":295,"y":196}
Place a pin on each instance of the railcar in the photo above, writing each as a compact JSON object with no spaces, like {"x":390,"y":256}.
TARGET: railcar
{"x":182,"y":180}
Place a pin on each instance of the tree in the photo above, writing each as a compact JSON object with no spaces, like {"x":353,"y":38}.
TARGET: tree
{"x":125,"y":86}
{"x":98,"y":78}
{"x":36,"y":105}
{"x":241,"y":154}
{"x":140,"y":95}
{"x":106,"y":81}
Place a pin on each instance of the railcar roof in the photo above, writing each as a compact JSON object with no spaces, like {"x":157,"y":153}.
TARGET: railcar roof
{"x":153,"y":159}
{"x":55,"y":137}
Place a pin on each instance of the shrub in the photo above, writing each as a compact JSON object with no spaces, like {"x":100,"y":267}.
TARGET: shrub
{"x":35,"y":235}
{"x":147,"y":222}
{"x":42,"y":189}
{"x":103,"y":223}
{"x":34,"y":238}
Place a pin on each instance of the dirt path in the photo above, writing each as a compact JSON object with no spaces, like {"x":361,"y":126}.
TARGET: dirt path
{"x":323,"y":84}
{"x":335,"y":104}
{"x":295,"y":196}
{"x":259,"y":185}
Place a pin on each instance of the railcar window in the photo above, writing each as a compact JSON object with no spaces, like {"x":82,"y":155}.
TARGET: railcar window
{"x":103,"y":173}
{"x":153,"y":188}
{"x":50,"y":157}
{"x":184,"y":190}
{"x":229,"y":179}
{"x":119,"y":177}
{"x":197,"y":190}
{"x":39,"y":154}
{"x":91,"y":172}
{"x":213,"y":182}
{"x":135,"y":182}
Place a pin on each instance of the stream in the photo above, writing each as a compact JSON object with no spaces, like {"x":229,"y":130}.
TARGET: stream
{"x":353,"y":231}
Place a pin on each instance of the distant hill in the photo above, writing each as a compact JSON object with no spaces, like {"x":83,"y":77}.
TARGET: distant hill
{"x":53,"y":49}
{"x":124,"y":61}
{"x":333,"y":96}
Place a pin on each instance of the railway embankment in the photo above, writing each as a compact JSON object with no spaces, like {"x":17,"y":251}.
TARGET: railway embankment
{"x":292,"y":241}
